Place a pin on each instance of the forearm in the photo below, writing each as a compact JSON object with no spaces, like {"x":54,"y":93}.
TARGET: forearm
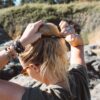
{"x":10,"y":91}
{"x":3,"y":58}
{"x":29,"y":36}
{"x":77,"y":49}
{"x":8,"y":54}
{"x":75,"y":41}
{"x":12,"y":51}
{"x":77,"y":55}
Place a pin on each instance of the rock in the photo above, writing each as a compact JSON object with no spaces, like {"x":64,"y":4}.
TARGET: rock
{"x":96,"y":65}
{"x":10,"y":71}
{"x":4,"y":45}
{"x":3,"y":36}
{"x":94,"y":46}
{"x":95,"y":93}
{"x":23,"y":80}
{"x":88,"y":51}
{"x":93,"y":65}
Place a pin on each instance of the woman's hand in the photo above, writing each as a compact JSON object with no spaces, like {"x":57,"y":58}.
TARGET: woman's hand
{"x":30,"y":34}
{"x":77,"y":51}
{"x":70,"y":36}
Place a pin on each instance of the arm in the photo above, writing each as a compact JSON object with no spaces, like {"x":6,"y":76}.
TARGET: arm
{"x":76,"y":43}
{"x":77,"y":55}
{"x":8,"y":90}
{"x":3,"y":58}
{"x":29,"y":36}
{"x":11,"y":91}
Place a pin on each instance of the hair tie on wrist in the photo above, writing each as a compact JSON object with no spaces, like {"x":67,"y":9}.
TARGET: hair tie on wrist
{"x":18,"y":47}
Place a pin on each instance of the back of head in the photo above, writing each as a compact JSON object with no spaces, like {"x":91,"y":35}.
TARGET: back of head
{"x":49,"y":52}
{"x":49,"y":29}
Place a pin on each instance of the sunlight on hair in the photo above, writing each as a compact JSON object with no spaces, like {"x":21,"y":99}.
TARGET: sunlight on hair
{"x":48,"y":52}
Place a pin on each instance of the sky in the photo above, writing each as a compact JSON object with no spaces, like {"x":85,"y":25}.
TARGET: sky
{"x":17,"y":2}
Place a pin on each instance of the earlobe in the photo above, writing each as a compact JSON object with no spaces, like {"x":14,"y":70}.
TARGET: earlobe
{"x":34,"y":67}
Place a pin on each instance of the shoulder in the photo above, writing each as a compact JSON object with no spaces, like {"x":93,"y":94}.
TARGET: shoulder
{"x":79,"y":82}
{"x":79,"y":72}
{"x":51,"y":92}
{"x":78,"y":69}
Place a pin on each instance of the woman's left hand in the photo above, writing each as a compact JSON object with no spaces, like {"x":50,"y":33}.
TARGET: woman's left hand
{"x":30,"y":34}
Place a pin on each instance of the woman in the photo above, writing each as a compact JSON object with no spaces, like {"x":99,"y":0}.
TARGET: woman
{"x":46,"y":61}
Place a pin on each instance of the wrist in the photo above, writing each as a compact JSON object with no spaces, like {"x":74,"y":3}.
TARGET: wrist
{"x":74,"y":40}
{"x":10,"y":53}
{"x":18,"y":46}
{"x":23,"y":42}
{"x":76,"y":44}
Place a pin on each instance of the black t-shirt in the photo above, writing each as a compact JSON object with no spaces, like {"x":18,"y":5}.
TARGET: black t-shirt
{"x":78,"y":80}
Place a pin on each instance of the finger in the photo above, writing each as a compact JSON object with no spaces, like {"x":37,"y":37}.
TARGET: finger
{"x":38,"y":23}
{"x":73,"y":37}
{"x":65,"y":34}
{"x":70,"y":38}
{"x":62,"y":22}
{"x":30,"y":25}
{"x":65,"y":31}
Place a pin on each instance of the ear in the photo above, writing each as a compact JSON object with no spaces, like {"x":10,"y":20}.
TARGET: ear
{"x":34,"y":67}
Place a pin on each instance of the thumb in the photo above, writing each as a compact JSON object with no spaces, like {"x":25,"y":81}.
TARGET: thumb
{"x":70,"y":38}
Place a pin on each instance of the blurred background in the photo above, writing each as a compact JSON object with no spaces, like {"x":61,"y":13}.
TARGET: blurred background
{"x":16,"y":14}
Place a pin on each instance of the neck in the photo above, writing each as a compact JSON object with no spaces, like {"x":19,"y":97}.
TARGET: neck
{"x":61,"y":83}
{"x":54,"y":81}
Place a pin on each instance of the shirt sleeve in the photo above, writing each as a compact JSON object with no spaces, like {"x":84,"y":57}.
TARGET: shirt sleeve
{"x":80,"y":71}
{"x":79,"y":82}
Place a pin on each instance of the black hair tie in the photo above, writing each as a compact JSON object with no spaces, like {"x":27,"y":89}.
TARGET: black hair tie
{"x":18,"y":47}
{"x":52,"y":36}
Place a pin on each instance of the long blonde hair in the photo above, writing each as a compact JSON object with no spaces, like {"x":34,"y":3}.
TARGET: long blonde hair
{"x":49,"y":52}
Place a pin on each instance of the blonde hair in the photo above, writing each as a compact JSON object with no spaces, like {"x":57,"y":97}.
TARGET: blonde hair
{"x":49,"y":52}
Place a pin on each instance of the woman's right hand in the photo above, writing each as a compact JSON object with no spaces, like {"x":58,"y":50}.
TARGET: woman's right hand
{"x":70,"y":36}
{"x":30,"y":34}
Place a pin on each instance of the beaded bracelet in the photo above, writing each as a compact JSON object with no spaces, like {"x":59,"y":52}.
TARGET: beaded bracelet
{"x":10,"y":52}
{"x":13,"y":50}
{"x":8,"y":55}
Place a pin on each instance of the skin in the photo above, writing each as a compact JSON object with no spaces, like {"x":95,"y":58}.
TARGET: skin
{"x":28,"y":37}
{"x":76,"y":43}
{"x":77,"y":57}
